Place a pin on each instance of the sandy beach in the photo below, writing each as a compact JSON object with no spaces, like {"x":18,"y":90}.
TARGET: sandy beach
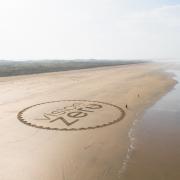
{"x":74,"y":125}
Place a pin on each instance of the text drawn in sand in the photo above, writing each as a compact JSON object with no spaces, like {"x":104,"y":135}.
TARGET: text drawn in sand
{"x":71,"y":115}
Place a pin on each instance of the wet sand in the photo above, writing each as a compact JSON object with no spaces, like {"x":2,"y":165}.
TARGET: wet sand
{"x":156,"y":153}
{"x":30,"y":151}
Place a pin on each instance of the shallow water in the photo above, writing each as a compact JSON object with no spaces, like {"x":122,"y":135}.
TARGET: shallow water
{"x":157,"y":152}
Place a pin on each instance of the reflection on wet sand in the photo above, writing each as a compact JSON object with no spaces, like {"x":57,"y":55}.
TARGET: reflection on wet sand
{"x":157,"y":153}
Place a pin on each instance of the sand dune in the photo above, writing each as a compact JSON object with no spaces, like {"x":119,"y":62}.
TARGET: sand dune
{"x":73,"y":125}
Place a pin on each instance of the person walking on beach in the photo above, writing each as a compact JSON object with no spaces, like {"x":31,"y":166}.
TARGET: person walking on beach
{"x":126,"y":106}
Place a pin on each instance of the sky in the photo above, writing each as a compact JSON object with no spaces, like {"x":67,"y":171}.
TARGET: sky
{"x":84,"y":29}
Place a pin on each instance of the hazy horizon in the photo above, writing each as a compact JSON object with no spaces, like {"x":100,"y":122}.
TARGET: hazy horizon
{"x":84,"y":29}
{"x":87,"y":59}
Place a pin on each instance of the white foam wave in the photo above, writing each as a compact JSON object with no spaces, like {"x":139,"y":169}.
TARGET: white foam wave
{"x":130,"y":149}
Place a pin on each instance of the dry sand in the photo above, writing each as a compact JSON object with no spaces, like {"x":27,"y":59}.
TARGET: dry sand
{"x":28,"y":152}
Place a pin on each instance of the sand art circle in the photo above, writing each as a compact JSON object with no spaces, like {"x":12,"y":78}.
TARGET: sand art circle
{"x":68,"y":115}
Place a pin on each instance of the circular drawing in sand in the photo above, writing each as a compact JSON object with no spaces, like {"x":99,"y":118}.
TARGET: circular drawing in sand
{"x":71,"y":115}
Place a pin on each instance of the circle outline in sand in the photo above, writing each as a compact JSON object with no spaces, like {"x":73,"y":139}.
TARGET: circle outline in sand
{"x":21,"y":119}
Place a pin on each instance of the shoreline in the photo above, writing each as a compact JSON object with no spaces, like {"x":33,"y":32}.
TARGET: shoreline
{"x":152,"y":127}
{"x":132,"y":131}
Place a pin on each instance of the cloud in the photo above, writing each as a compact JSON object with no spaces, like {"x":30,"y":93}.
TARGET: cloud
{"x":166,"y":16}
{"x":152,"y":33}
{"x":88,"y":29}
